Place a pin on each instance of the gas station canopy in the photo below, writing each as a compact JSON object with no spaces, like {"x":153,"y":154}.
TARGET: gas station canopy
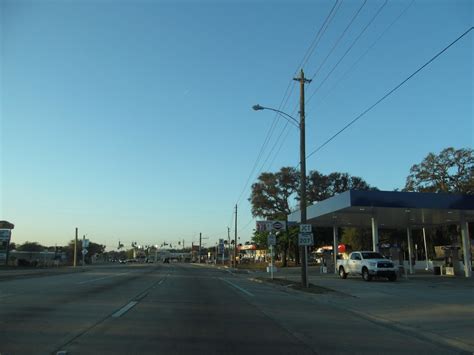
{"x":392,"y":209}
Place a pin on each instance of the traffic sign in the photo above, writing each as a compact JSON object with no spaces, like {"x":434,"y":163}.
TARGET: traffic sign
{"x":5,"y":235}
{"x":268,"y":226}
{"x":279,"y":225}
{"x":305,"y":239}
{"x":271,"y":240}
{"x":86,"y":243}
{"x":84,"y":251}
{"x":305,"y":228}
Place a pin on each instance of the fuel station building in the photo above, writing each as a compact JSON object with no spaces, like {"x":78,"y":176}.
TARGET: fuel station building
{"x":394,"y":210}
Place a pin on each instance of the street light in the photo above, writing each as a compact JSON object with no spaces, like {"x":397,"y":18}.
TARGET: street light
{"x":301,"y":126}
{"x":288,"y":117}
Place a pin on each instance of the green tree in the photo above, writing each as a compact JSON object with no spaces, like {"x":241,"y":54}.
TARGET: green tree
{"x":321,"y":187}
{"x":30,"y":246}
{"x":450,"y":171}
{"x":270,"y":199}
{"x":357,"y":239}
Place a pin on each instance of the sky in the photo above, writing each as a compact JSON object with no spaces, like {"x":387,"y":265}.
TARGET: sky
{"x":132,"y":120}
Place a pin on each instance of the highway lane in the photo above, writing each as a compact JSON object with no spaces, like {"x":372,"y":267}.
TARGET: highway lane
{"x":37,"y":315}
{"x":183,"y":309}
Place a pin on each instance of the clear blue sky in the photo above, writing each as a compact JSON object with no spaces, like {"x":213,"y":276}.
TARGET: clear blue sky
{"x":132,"y":120}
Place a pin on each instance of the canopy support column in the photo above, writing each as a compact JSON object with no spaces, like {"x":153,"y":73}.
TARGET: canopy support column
{"x":335,"y":243}
{"x":375,"y":234}
{"x":410,"y":251}
{"x":466,"y":248}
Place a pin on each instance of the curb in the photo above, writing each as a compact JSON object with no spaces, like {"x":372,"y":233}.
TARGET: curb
{"x":441,"y":340}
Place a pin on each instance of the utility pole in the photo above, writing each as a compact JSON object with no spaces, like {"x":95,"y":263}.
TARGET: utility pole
{"x":228,"y":245}
{"x":75,"y":249}
{"x":83,"y":255}
{"x":200,"y":239}
{"x":304,"y":249}
{"x":235,"y":238}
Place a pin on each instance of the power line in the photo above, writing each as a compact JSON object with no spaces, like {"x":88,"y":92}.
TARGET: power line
{"x":368,"y":49}
{"x":309,"y":52}
{"x":348,"y":50}
{"x":246,"y":225}
{"x":340,"y":37}
{"x":389,"y":93}
{"x":288,"y":93}
{"x":320,"y":33}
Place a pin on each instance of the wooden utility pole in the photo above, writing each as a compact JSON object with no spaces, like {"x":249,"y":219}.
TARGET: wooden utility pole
{"x":304,"y":249}
{"x":75,"y":249}
{"x":200,"y":240}
{"x":235,"y":238}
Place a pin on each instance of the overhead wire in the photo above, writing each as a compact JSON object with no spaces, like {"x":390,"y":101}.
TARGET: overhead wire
{"x":309,"y":52}
{"x":363,"y":113}
{"x":356,"y":62}
{"x":339,"y":38}
{"x":288,"y":92}
{"x":347,"y":50}
{"x":332,"y":13}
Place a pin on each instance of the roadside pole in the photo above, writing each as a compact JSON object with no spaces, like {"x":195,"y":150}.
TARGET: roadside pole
{"x":75,"y":249}
{"x":271,"y":241}
{"x":200,"y":240}
{"x":235,"y":238}
{"x":304,"y":262}
{"x":271,"y":261}
{"x":83,"y":253}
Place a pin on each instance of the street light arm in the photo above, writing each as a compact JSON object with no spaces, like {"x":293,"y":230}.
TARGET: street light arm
{"x":288,"y":117}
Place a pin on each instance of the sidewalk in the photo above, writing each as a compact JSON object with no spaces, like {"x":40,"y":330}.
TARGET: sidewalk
{"x":434,"y":307}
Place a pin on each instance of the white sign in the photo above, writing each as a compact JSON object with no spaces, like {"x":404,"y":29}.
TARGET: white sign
{"x":305,"y":239}
{"x":272,"y":240}
{"x":84,"y":251}
{"x":5,"y":235}
{"x":268,"y":226}
{"x":305,"y":228}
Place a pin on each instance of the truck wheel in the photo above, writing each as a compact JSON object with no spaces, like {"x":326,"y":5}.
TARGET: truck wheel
{"x":342,"y":273}
{"x":392,"y":277}
{"x":365,"y":274}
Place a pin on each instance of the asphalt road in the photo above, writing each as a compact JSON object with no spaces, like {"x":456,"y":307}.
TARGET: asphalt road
{"x":182,"y":309}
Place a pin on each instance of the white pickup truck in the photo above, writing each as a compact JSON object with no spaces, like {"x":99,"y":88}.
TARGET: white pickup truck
{"x":368,"y":264}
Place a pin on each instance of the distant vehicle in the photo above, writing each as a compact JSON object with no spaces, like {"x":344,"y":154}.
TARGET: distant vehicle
{"x":122,"y":261}
{"x":368,"y":264}
{"x":166,"y":261}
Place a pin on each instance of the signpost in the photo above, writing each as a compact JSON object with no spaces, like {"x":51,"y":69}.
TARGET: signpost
{"x":5,"y":236}
{"x":271,"y":241}
{"x":305,"y":239}
{"x":221,"y":249}
{"x":270,"y":226}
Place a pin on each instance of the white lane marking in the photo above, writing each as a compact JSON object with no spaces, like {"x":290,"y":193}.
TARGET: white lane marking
{"x":237,"y":287}
{"x":124,"y":309}
{"x":102,"y":278}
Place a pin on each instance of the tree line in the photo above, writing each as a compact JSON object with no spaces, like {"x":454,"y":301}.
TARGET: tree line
{"x":275,"y":195}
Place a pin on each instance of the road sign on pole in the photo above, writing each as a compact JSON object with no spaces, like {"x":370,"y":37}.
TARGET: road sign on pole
{"x":305,"y":239}
{"x":271,"y":239}
{"x":269,"y":226}
{"x":305,"y":228}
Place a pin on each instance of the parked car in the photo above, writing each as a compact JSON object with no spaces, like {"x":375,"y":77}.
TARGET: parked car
{"x":368,"y":264}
